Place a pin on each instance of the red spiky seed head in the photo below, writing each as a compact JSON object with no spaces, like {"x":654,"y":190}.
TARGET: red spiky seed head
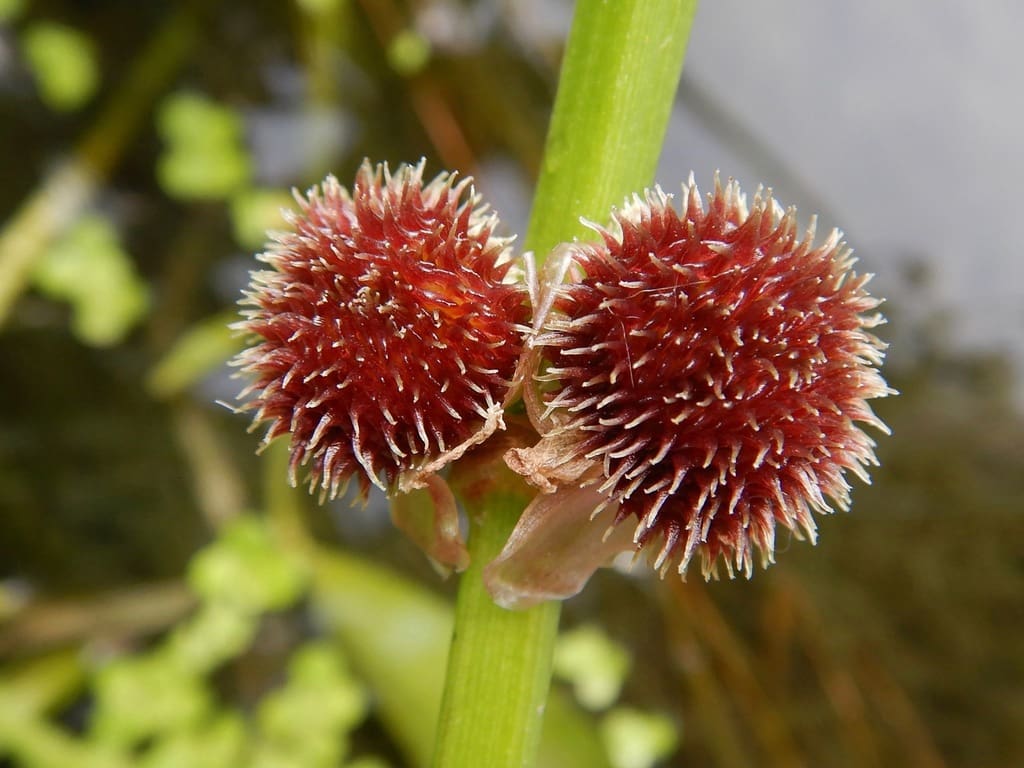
{"x":706,"y":373}
{"x":389,"y":326}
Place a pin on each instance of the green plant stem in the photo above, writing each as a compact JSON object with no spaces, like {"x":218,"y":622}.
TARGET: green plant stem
{"x":619,"y":77}
{"x":615,"y":94}
{"x":499,"y":666}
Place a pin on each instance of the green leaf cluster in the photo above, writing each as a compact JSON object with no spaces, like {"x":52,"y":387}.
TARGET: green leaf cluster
{"x":204,"y":156}
{"x":637,"y":739}
{"x":89,"y":269}
{"x":200,"y":349}
{"x":245,"y":569}
{"x":63,"y":62}
{"x":160,"y":707}
{"x":593,"y":663}
{"x":596,"y":667}
{"x":255,"y":211}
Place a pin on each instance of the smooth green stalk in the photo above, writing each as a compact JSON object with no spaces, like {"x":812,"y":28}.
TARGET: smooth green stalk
{"x":618,"y":82}
{"x":615,"y":94}
{"x":499,"y":666}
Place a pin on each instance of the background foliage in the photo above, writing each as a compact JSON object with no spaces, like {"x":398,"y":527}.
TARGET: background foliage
{"x":165,"y":601}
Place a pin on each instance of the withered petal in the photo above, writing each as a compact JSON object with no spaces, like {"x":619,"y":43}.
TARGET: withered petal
{"x":430,"y":517}
{"x":555,"y":548}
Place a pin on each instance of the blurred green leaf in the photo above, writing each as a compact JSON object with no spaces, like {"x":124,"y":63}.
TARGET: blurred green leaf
{"x":255,"y":211}
{"x":218,"y":744}
{"x":11,"y":9}
{"x":191,"y":119}
{"x":368,"y":762}
{"x":319,"y":7}
{"x":636,"y":739}
{"x":63,"y":63}
{"x":88,"y":269}
{"x":310,"y":717}
{"x":245,"y":568}
{"x":32,"y":688}
{"x":201,"y":348}
{"x":569,"y":737}
{"x":408,"y":52}
{"x":204,"y":157}
{"x":218,"y":632}
{"x":271,"y":756}
{"x":38,"y":744}
{"x":396,"y":633}
{"x":202,"y":172}
{"x":593,"y":663}
{"x":139,"y":697}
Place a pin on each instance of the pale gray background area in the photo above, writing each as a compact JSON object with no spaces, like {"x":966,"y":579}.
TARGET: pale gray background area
{"x":900,"y":121}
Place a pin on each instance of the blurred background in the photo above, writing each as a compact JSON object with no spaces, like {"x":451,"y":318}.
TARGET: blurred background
{"x":165,"y":600}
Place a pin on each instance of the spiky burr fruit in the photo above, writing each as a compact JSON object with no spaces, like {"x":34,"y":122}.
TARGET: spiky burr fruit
{"x":705,"y":375}
{"x":388,"y":329}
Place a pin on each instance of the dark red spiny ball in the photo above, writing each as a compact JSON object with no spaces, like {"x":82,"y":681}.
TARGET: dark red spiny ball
{"x":711,"y":367}
{"x":389,"y":327}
